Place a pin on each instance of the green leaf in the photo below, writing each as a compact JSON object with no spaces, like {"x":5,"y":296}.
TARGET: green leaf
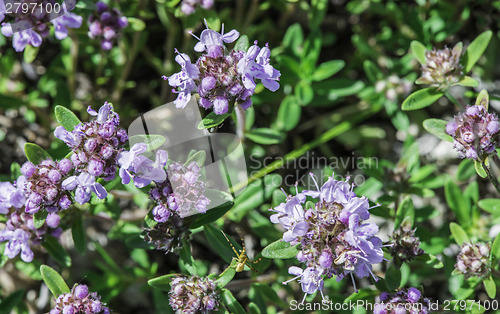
{"x":137,"y":25}
{"x":9,"y":102}
{"x":215,"y":213}
{"x":327,"y":69}
{"x":265,"y":136}
{"x":418,"y":51}
{"x":405,"y":209}
{"x":465,"y":170}
{"x":150,"y":220}
{"x":198,"y":157}
{"x":495,"y":247}
{"x":188,"y":260}
{"x":468,"y":82}
{"x":226,"y":276}
{"x":490,"y":287}
{"x":66,"y":118}
{"x":242,"y":43}
{"x":54,"y":281}
{"x":459,"y":234}
{"x":479,"y":169}
{"x":7,"y":305}
{"x":476,"y":50}
{"x":430,"y":260}
{"x":152,"y":141}
{"x":219,"y":243}
{"x":491,"y":205}
{"x":304,"y":93}
{"x":421,"y":99}
{"x":250,"y":198}
{"x":162,"y":282}
{"x":30,"y":53}
{"x":457,"y":202}
{"x":372,"y":71}
{"x":231,"y":303}
{"x":294,"y":39}
{"x":437,"y":127}
{"x":39,"y":218}
{"x":212,"y":120}
{"x":288,"y":114}
{"x":35,"y":153}
{"x":79,"y":236}
{"x":483,"y":99}
{"x":57,"y":252}
{"x":393,"y":278}
{"x":280,"y":250}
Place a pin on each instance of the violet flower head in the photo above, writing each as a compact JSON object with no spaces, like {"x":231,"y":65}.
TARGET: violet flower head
{"x":79,"y":300}
{"x":43,"y":189}
{"x":189,"y":6}
{"x":96,"y":144}
{"x":222,"y":79}
{"x":475,"y":132}
{"x":332,"y":237}
{"x":442,"y":68}
{"x":106,"y":24}
{"x":403,"y":301}
{"x":20,"y":232}
{"x":84,"y":184}
{"x":30,"y":29}
{"x":140,"y":169}
{"x":193,"y":295}
{"x":474,"y":260}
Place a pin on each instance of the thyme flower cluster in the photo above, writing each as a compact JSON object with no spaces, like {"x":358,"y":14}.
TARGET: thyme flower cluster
{"x":79,"y":300}
{"x":222,"y":79}
{"x":404,"y":301}
{"x":106,"y":25}
{"x":405,"y":245}
{"x":474,"y":132}
{"x":442,"y":68}
{"x":332,"y":237}
{"x":194,"y":295}
{"x":189,"y":6}
{"x":474,"y":260}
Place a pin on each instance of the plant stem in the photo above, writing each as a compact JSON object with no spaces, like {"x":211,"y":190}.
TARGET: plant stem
{"x":493,"y":180}
{"x":240,"y":117}
{"x":325,"y":137}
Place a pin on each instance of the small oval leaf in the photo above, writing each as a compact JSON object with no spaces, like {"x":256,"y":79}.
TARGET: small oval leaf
{"x":226,"y":276}
{"x":490,"y":287}
{"x":231,"y":303}
{"x":421,"y":99}
{"x":476,"y":50}
{"x":393,"y":278}
{"x":54,"y":281}
{"x":265,"y":136}
{"x":459,"y":234}
{"x":327,"y":69}
{"x":437,"y":127}
{"x":495,"y":247}
{"x":39,"y":218}
{"x":212,"y":120}
{"x":66,"y":118}
{"x":35,"y":153}
{"x":152,"y":141}
{"x":162,"y":282}
{"x":280,"y":250}
{"x":418,"y":51}
{"x":242,"y":44}
{"x":483,"y":99}
{"x":288,"y":113}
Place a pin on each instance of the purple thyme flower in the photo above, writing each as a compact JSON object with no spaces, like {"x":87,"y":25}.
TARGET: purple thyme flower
{"x":79,"y":300}
{"x":30,"y":28}
{"x":140,"y":168}
{"x":474,"y":132}
{"x":106,"y":24}
{"x":442,"y":68}
{"x":96,"y":144}
{"x":403,"y":301}
{"x":193,"y":294}
{"x":43,"y":187}
{"x":222,"y":79}
{"x":474,"y":260}
{"x":187,"y":189}
{"x":331,"y":236}
{"x":188,"y":6}
{"x":85,"y":184}
{"x":20,"y":231}
{"x":404,"y":244}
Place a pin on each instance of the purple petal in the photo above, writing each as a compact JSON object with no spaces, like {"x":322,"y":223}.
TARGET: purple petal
{"x":99,"y":190}
{"x":231,"y":36}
